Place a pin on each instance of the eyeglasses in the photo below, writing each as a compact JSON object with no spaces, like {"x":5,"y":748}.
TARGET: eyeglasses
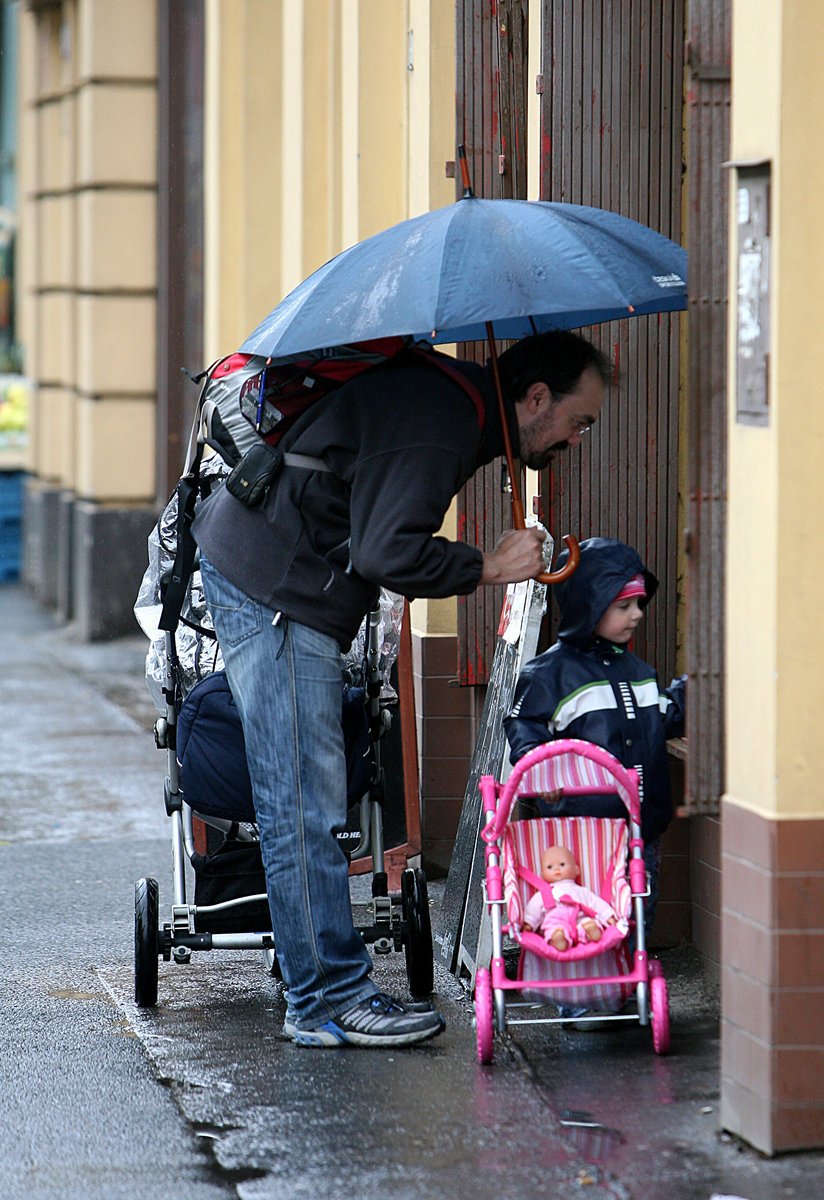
{"x":581,"y":426}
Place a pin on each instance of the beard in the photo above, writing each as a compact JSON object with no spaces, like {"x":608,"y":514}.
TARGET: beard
{"x":537,"y":458}
{"x":536,"y":449}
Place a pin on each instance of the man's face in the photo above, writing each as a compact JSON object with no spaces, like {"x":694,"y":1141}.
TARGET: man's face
{"x":548,"y":423}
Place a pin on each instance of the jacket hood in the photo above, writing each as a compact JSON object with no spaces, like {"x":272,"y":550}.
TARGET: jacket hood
{"x":606,"y":566}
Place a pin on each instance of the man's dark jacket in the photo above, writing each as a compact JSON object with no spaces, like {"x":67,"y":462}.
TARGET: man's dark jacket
{"x":400,"y":441}
{"x":586,"y":687}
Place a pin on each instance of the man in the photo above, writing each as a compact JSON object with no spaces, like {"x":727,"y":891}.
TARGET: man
{"x":288,"y":584}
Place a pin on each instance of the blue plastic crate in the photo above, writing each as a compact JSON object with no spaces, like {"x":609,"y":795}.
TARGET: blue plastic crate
{"x":11,"y":521}
{"x":11,"y":494}
{"x":9,"y":556}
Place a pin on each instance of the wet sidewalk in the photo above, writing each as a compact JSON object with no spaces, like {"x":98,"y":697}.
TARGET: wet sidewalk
{"x":560,"y":1111}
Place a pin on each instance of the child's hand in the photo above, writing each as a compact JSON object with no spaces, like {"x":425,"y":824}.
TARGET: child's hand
{"x":552,"y":797}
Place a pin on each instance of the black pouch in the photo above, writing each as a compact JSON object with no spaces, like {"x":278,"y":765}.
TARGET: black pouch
{"x":254,"y":474}
{"x":231,"y":872}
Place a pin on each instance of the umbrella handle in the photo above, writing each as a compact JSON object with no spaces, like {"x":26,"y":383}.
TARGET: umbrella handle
{"x":517,"y":503}
{"x":569,"y":567}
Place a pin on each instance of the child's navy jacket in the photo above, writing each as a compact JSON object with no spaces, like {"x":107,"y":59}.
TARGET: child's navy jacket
{"x":585,"y":687}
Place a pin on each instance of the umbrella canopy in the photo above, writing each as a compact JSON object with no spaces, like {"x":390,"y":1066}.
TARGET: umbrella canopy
{"x":526,"y":266}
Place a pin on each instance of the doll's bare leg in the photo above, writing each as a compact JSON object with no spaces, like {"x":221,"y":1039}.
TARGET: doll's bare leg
{"x":558,"y":939}
{"x":592,"y":929}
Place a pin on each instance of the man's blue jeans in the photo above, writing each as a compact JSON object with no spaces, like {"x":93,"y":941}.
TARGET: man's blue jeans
{"x":286,"y":682}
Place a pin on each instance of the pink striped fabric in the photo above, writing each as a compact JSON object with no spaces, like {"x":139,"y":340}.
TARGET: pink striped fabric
{"x":569,"y":765}
{"x":573,"y":773}
{"x":597,"y":997}
{"x":599,"y":846}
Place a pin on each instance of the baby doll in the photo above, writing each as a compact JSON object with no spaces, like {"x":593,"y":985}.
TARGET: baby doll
{"x":578,"y":915}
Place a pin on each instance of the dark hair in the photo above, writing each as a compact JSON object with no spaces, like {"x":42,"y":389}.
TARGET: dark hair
{"x":557,"y":359}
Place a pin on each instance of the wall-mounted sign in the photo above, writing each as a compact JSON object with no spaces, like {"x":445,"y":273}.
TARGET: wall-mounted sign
{"x":753,"y":293}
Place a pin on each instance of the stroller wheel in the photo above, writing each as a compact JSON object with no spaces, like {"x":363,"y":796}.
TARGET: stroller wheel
{"x":146,"y":942}
{"x":417,"y":932}
{"x":270,"y":962}
{"x":659,"y":1014}
{"x":484,"y":1018}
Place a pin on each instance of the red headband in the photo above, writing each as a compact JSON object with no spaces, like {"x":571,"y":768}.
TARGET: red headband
{"x":635,"y":587}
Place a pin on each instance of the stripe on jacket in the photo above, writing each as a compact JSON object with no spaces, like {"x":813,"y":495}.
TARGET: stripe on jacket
{"x":625,"y":689}
{"x":592,"y":697}
{"x":646,"y":693}
{"x":596,"y":697}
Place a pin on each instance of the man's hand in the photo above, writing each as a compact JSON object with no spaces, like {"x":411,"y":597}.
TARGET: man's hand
{"x":517,"y":556}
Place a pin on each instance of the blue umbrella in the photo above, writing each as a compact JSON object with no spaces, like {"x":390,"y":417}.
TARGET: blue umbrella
{"x":526,"y":266}
{"x":482,"y":269}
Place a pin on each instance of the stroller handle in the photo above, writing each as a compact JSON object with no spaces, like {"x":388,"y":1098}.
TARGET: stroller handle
{"x":595,"y":771}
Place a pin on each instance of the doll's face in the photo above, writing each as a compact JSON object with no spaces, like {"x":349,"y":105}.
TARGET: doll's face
{"x":557,"y":863}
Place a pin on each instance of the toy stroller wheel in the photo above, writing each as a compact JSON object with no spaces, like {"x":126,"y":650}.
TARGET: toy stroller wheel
{"x":417,"y":932}
{"x":659,"y":1014}
{"x":146,"y":942}
{"x":484,"y":1019}
{"x":656,"y":971}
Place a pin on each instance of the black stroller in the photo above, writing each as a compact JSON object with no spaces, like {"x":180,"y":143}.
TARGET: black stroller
{"x":207,"y":781}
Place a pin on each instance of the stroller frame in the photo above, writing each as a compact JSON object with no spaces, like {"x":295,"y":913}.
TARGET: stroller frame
{"x":398,"y":920}
{"x":606,"y":776}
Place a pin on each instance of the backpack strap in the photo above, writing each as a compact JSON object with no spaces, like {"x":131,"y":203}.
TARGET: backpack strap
{"x":174,"y":589}
{"x":442,"y":363}
{"x":305,"y":462}
{"x":188,"y":492}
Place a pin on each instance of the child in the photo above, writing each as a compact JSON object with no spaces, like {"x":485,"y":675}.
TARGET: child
{"x":590,"y":685}
{"x":577,"y":914}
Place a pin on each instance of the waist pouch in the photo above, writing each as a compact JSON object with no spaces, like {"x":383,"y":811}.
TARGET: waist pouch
{"x":254,"y":474}
{"x":260,"y":466}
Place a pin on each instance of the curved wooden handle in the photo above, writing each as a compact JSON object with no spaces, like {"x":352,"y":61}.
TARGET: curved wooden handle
{"x":569,"y":566}
{"x":518,"y":520}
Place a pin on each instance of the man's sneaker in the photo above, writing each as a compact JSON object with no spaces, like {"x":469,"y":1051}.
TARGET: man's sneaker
{"x":413,"y":1006}
{"x":379,"y":1020}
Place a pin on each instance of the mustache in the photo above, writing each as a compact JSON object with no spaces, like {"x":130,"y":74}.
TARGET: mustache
{"x":537,"y":462}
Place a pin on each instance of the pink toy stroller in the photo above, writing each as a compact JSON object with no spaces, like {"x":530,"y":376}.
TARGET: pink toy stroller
{"x":600,"y":975}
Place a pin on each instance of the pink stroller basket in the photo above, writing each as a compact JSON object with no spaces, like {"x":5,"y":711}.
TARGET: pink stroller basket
{"x":602,"y":975}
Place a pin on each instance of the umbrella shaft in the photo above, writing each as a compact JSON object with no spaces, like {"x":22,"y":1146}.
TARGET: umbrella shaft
{"x":517,"y":503}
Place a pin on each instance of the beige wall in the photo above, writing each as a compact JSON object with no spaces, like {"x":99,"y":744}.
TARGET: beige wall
{"x":346,"y":132}
{"x":776,"y":497}
{"x":87,"y":274}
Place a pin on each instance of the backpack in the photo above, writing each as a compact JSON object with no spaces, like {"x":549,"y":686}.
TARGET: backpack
{"x":244,"y":397}
{"x":248,"y":399}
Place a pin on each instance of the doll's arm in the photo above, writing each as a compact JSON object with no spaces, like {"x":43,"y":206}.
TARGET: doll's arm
{"x":533,"y":913}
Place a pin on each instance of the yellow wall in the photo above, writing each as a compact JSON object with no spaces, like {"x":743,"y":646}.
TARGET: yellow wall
{"x":242,"y":171}
{"x":342,"y":129}
{"x":87,"y":254}
{"x":776,"y":497}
